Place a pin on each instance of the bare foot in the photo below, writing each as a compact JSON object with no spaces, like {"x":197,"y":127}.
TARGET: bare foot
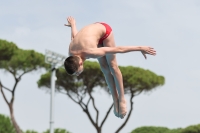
{"x":122,"y":108}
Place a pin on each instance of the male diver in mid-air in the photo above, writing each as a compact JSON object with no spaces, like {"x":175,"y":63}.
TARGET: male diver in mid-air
{"x":97,"y":41}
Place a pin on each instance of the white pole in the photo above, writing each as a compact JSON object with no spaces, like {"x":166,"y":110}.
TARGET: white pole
{"x":56,"y":61}
{"x":53,"y":78}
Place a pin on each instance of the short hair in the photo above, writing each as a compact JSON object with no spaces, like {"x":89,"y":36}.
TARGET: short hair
{"x":71,"y":64}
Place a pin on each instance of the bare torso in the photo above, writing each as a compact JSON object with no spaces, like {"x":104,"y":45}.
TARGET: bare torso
{"x":87,"y":37}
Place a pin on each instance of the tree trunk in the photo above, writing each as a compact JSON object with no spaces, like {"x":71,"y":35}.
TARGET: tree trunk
{"x":98,"y":130}
{"x":17,"y":128}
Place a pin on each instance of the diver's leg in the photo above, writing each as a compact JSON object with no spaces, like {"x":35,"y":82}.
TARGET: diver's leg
{"x":110,"y":82}
{"x":112,"y":62}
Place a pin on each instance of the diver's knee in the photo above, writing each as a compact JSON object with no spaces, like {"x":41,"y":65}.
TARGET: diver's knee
{"x":114,"y":69}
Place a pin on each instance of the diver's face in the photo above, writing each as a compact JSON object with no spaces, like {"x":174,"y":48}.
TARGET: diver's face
{"x":79,"y":71}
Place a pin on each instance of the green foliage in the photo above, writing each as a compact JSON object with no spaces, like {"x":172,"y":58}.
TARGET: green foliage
{"x":178,"y":130}
{"x":150,"y":129}
{"x":64,"y":81}
{"x":24,"y":61}
{"x":191,"y":129}
{"x":58,"y":130}
{"x":7,"y":50}
{"x":30,"y":131}
{"x":136,"y":79}
{"x":44,"y":80}
{"x":6,"y":125}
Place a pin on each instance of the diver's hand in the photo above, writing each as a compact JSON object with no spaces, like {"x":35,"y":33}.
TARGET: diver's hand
{"x":71,"y":22}
{"x":147,"y":50}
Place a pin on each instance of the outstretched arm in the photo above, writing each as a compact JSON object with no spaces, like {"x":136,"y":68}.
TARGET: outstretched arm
{"x":99,"y":52}
{"x":72,"y":24}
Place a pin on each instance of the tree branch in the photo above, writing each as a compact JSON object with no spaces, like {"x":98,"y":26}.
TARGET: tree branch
{"x":11,"y":72}
{"x":72,"y":98}
{"x":62,"y":92}
{"x":80,"y":98}
{"x":16,"y":82}
{"x":89,"y":116}
{"x":88,"y":101}
{"x":106,"y":116}
{"x":25,"y":73}
{"x":97,"y":111}
{"x":13,"y":92}
{"x":128,"y":116}
{"x":138,"y":93}
{"x":4,"y":95}
{"x":84,"y":109}
{"x":81,"y":102}
{"x":4,"y":87}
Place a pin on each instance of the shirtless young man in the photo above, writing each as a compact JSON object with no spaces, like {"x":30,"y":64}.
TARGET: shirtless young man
{"x":97,"y":41}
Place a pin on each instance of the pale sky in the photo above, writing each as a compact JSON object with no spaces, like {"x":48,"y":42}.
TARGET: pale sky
{"x":170,"y":26}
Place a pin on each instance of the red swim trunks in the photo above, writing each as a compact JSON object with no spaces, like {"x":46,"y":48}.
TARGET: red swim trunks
{"x":108,"y":31}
